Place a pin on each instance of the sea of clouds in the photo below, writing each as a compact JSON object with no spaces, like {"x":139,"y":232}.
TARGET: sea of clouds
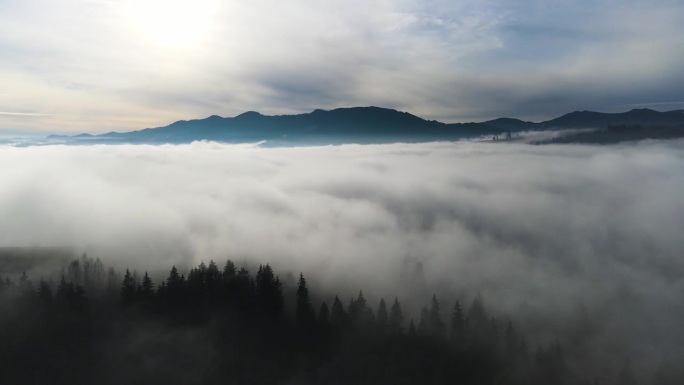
{"x":584,"y":244}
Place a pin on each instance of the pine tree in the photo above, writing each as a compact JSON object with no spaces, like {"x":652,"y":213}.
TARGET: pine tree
{"x":245,"y":288}
{"x":127,"y":289}
{"x":213,"y":278}
{"x":338,"y":317}
{"x":44,"y":292}
{"x":229,"y":271}
{"x":478,"y":326}
{"x":396,"y":317}
{"x":306,"y":318}
{"x":269,"y":291}
{"x":359,"y":313}
{"x":196,"y":284}
{"x":174,"y":285}
{"x":382,"y":316}
{"x":146,"y":288}
{"x":511,"y":344}
{"x":457,"y":325}
{"x":74,"y":272}
{"x":357,"y":306}
{"x":26,"y":290}
{"x":436,"y":325}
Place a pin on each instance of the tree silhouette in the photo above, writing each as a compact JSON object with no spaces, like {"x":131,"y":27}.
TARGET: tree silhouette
{"x":382,"y":316}
{"x":269,"y":291}
{"x":44,"y":293}
{"x":338,"y":317}
{"x":305,"y":316}
{"x":359,"y":314}
{"x":174,"y":285}
{"x":224,"y":323}
{"x":212,"y":280}
{"x":147,"y":288}
{"x":457,"y":325}
{"x":396,"y":317}
{"x":436,"y":325}
{"x":26,"y":289}
{"x":128,"y":289}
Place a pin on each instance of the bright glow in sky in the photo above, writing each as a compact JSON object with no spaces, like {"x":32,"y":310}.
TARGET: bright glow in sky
{"x":102,"y":65}
{"x":172,"y":23}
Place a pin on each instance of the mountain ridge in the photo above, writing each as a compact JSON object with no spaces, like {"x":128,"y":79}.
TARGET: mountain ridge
{"x":364,"y":125}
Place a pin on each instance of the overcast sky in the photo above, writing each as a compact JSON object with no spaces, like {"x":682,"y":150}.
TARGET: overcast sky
{"x":101,"y":65}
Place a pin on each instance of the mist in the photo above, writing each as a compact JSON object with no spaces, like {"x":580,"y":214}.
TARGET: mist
{"x":577,"y":243}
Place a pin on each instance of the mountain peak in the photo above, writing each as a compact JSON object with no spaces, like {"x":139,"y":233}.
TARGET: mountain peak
{"x":249,"y":115}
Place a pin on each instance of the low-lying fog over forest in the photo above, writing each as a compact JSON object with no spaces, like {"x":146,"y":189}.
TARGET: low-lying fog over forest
{"x":580,"y":245}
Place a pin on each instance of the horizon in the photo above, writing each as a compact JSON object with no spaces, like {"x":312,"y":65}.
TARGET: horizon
{"x":20,"y":133}
{"x":100,"y":66}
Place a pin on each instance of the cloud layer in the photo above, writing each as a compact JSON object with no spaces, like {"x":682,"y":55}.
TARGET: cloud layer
{"x":573,"y":242}
{"x":100,"y":65}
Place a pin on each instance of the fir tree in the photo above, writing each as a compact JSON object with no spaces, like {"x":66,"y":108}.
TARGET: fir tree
{"x":338,"y":317}
{"x":396,"y":317}
{"x":146,"y":288}
{"x":212,"y":280}
{"x":457,"y":325}
{"x":436,"y":325}
{"x":127,"y":289}
{"x":229,"y":271}
{"x":304,"y":312}
{"x":44,"y":292}
{"x":382,"y":316}
{"x":26,"y":289}
{"x":269,"y":291}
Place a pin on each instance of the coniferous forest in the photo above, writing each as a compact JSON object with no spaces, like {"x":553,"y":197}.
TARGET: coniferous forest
{"x":224,"y":324}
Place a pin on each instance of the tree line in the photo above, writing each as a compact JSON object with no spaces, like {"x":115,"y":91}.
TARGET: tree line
{"x":226,"y":325}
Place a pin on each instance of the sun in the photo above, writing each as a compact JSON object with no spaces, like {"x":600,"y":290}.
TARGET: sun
{"x":172,"y":23}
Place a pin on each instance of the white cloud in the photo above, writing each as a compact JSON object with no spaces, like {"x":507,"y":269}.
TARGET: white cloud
{"x":465,"y":60}
{"x":555,"y":236}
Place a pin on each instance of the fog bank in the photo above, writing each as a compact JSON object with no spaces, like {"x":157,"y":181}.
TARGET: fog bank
{"x":579,"y":243}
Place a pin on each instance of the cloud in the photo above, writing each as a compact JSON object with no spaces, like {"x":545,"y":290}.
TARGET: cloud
{"x":29,"y":114}
{"x":573,"y":242}
{"x":454,"y":61}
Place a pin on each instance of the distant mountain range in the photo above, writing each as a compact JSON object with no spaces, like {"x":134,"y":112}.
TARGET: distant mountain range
{"x":362,"y":125}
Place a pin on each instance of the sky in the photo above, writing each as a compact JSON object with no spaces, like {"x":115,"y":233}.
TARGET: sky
{"x":102,"y":65}
{"x":577,"y":243}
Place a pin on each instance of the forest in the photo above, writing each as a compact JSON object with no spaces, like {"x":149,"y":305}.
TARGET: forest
{"x":225,"y":325}
{"x":619,"y":133}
